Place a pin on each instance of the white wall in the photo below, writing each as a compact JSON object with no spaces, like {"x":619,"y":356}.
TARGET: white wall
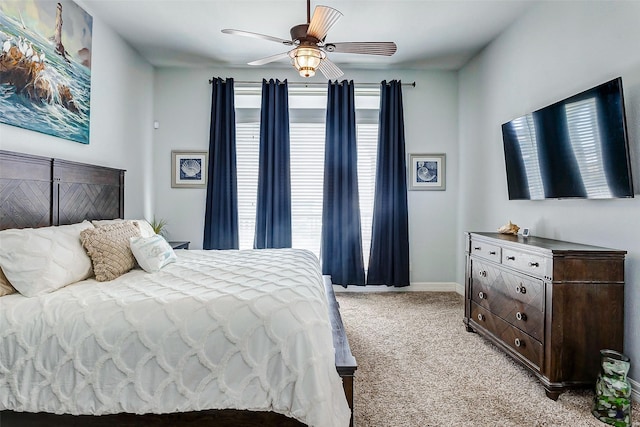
{"x":182,"y":108}
{"x":121,"y":120}
{"x":556,"y":50}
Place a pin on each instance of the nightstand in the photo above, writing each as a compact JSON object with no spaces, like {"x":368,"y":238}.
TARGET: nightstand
{"x":179,"y":245}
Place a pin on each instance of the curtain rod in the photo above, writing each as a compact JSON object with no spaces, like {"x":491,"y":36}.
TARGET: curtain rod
{"x":412,"y":84}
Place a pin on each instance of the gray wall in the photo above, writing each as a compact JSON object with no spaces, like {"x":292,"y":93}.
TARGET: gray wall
{"x":556,"y":50}
{"x":121,"y":124}
{"x":182,"y":107}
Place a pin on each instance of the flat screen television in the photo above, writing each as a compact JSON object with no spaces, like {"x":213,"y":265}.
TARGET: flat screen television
{"x":575,"y":148}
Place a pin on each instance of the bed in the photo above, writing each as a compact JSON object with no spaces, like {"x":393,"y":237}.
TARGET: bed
{"x":214,"y":338}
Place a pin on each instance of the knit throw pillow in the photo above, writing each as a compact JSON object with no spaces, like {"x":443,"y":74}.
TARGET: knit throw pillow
{"x":108,"y":247}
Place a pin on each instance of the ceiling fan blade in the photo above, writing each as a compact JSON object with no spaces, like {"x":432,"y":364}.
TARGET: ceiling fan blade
{"x":269,"y":59}
{"x":368,"y":48}
{"x":323,"y":18}
{"x":330,"y":70}
{"x":256,"y":36}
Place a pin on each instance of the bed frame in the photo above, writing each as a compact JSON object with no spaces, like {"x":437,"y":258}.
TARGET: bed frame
{"x":39,"y":192}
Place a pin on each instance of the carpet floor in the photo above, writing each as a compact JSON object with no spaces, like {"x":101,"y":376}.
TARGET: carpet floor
{"x":418,"y":366}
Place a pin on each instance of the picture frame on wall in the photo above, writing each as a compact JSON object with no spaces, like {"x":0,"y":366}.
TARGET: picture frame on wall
{"x":189,"y":169}
{"x":45,"y":65}
{"x":427,"y":171}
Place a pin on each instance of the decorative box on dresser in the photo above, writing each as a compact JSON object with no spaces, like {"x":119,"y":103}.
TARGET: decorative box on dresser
{"x":551,"y":305}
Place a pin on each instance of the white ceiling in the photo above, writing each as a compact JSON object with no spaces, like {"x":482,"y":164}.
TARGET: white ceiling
{"x":429,"y":34}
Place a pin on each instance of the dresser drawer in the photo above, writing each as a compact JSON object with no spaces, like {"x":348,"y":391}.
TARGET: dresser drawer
{"x":523,"y":316}
{"x":521,"y":343}
{"x":526,"y":262}
{"x":525,"y":289}
{"x":486,"y":250}
{"x":489,"y":281}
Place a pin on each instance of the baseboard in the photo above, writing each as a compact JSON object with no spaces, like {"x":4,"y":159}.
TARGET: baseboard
{"x":635,"y":390}
{"x":414,"y":287}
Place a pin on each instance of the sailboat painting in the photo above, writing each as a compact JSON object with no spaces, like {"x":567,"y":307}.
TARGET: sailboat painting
{"x":45,"y":67}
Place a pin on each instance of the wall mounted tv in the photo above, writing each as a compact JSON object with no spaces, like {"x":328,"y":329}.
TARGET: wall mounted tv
{"x":575,"y":148}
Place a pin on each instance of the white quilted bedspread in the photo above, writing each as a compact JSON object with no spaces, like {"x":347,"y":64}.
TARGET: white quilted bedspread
{"x":216,"y":329}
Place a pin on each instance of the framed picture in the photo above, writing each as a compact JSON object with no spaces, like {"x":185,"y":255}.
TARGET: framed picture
{"x":189,"y":169}
{"x":426,"y":171}
{"x":46,"y":67}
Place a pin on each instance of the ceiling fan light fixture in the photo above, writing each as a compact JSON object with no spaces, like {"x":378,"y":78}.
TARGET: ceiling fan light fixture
{"x":309,"y":47}
{"x":307,"y":59}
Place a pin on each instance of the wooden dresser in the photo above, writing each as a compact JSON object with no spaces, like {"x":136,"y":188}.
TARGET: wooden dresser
{"x":551,"y":305}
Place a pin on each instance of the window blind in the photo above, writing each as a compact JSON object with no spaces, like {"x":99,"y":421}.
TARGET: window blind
{"x":307,"y":134}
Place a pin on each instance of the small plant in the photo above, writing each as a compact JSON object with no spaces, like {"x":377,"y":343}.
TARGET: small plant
{"x":159,"y":226}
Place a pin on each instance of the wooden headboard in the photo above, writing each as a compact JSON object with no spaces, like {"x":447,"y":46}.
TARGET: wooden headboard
{"x":42,"y":191}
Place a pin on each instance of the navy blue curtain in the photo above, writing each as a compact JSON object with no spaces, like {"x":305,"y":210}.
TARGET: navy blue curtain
{"x":273,"y":208}
{"x":341,"y":232}
{"x":389,"y":256}
{"x":221,"y":211}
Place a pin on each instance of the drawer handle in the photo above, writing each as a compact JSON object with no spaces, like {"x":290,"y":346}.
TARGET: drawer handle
{"x":534,"y":264}
{"x":521,"y":316}
{"x":476,"y":248}
{"x":518,"y":343}
{"x":482,"y":295}
{"x":481,"y":317}
{"x":520,"y":289}
{"x":492,"y":252}
{"x":483,"y":273}
{"x":511,"y":257}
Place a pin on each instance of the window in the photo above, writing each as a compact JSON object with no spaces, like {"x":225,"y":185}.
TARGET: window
{"x":307,"y":133}
{"x":247,"y":150}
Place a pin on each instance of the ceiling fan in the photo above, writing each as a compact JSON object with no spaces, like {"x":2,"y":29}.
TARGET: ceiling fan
{"x":310,"y":48}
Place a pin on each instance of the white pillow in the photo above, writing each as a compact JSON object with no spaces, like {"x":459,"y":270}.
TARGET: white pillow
{"x":41,"y":260}
{"x":152,"y":253}
{"x":146,"y":230}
